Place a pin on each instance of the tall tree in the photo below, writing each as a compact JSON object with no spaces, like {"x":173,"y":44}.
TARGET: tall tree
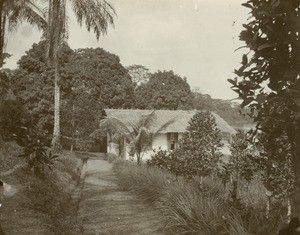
{"x":91,"y":79}
{"x":139,"y":73}
{"x":269,"y":79}
{"x":96,"y":15}
{"x":103,"y":75}
{"x":200,"y":145}
{"x":13,"y":12}
{"x":165,"y":90}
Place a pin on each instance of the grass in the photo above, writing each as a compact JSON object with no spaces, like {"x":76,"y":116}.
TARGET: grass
{"x":200,"y":206}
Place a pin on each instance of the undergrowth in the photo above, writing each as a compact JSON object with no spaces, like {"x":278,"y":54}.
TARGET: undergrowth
{"x":53,"y":195}
{"x":198,"y":206}
{"x":8,"y":155}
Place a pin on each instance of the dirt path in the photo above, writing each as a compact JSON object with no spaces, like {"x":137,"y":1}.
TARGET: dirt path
{"x":106,"y":209}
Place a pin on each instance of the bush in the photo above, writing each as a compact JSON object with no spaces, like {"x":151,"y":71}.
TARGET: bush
{"x":176,"y":162}
{"x":84,"y":144}
{"x":199,"y":149}
{"x":161,"y":159}
{"x":148,"y":183}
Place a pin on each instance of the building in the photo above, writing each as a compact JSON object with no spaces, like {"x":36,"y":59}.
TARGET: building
{"x":167,"y":137}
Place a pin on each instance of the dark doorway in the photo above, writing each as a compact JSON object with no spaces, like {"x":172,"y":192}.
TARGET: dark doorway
{"x":103,"y":145}
{"x":100,"y":145}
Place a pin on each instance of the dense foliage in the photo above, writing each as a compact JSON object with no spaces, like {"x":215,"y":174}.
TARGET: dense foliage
{"x":268,"y":80}
{"x":165,"y":90}
{"x":201,"y":144}
{"x":198,"y":153}
{"x":34,"y":88}
{"x":139,"y":73}
{"x":240,"y":164}
{"x":91,"y":79}
{"x":275,"y":159}
{"x":103,"y":75}
{"x":231,"y":112}
{"x":13,"y":117}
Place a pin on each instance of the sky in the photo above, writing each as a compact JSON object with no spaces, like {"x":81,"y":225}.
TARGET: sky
{"x":196,"y":39}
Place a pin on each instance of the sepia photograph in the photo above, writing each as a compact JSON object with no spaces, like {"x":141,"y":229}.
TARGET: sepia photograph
{"x":149,"y":117}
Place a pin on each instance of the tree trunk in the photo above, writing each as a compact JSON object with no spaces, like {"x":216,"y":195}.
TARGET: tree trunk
{"x":138,"y":158}
{"x":268,"y":206}
{"x":54,"y":38}
{"x":295,"y":24}
{"x":234,"y":191}
{"x":56,"y":129}
{"x":289,"y":209}
{"x":73,"y":127}
{"x":2,"y":32}
{"x":296,"y":165}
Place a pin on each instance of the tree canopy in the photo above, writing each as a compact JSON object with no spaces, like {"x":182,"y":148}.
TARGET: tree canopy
{"x":230,"y":112}
{"x":165,"y":90}
{"x":102,"y":73}
{"x":139,"y":73}
{"x":91,"y":79}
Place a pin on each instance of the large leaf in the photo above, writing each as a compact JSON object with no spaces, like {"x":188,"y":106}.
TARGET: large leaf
{"x":266,"y":45}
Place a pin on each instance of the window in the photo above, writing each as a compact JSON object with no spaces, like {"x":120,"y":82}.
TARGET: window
{"x":172,"y":140}
{"x":172,"y":147}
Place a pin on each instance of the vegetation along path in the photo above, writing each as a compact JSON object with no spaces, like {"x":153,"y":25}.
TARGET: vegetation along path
{"x":106,"y":209}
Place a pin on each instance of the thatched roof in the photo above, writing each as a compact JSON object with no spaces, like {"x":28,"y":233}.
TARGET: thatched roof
{"x":180,"y":119}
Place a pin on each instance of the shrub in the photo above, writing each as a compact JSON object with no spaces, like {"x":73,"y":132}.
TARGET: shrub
{"x":84,"y":144}
{"x":161,"y":159}
{"x":148,"y":183}
{"x":199,"y":147}
{"x":38,"y":157}
{"x":176,"y":162}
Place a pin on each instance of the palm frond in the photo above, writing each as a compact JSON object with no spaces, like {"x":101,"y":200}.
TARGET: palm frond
{"x":148,"y":120}
{"x":56,"y":32}
{"x":25,"y":10}
{"x":96,"y":14}
{"x":115,"y":128}
{"x":164,"y":126}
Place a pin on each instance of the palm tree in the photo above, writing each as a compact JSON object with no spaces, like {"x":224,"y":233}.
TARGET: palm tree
{"x":96,"y":14}
{"x":13,"y":12}
{"x":137,"y":134}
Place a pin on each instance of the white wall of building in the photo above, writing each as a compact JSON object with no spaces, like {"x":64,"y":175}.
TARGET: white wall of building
{"x":225,"y":149}
{"x":159,"y":141}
